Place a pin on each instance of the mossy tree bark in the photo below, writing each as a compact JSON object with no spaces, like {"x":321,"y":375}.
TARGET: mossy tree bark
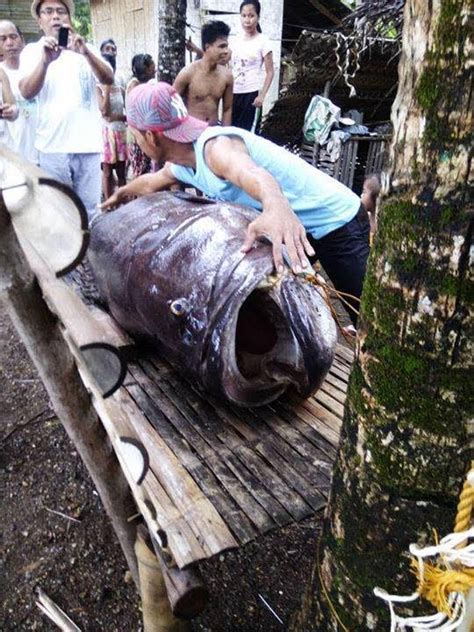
{"x":404,"y":445}
{"x":171,"y":38}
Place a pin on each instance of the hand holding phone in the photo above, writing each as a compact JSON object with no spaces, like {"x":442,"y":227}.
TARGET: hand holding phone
{"x":63,"y":36}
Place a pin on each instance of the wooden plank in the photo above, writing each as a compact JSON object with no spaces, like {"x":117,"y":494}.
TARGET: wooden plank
{"x":291,"y":476}
{"x":154,"y":403}
{"x":341,"y":374}
{"x":342,"y":367}
{"x":166,"y":427}
{"x":198,"y":412}
{"x":116,"y":420}
{"x":275,"y":432}
{"x":257,"y":490}
{"x":268,"y":478}
{"x":288,"y":498}
{"x":162,"y":516}
{"x":331,"y":404}
{"x":44,"y":212}
{"x":315,"y":437}
{"x":328,"y":417}
{"x":268,"y":483}
{"x":343,"y":353}
{"x":341,"y":385}
{"x":195,"y":409}
{"x":314,"y":464}
{"x":317,"y":417}
{"x":202,"y":517}
{"x":286,"y":462}
{"x":234,"y":517}
{"x":250,"y":507}
{"x":335,"y":393}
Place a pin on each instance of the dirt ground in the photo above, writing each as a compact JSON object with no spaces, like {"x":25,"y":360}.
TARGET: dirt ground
{"x":56,"y":536}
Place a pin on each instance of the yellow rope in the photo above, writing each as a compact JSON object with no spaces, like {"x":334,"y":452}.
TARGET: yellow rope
{"x":438,"y":582}
{"x":465,"y":506}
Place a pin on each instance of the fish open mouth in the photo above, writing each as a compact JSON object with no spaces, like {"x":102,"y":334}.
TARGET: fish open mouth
{"x":262,"y":336}
{"x":264,"y":357}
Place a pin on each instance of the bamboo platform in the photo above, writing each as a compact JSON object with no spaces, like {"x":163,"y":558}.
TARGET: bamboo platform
{"x":213,"y":476}
{"x":205,"y":475}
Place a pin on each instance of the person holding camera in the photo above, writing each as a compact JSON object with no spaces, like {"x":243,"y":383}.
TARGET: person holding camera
{"x":62,"y":71}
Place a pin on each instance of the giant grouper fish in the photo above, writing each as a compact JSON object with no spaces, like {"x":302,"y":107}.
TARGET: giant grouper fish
{"x":171,"y":269}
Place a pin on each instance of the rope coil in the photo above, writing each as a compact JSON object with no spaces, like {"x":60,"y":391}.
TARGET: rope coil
{"x":446,"y":582}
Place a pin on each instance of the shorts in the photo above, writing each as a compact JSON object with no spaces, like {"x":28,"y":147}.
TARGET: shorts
{"x":115,"y":145}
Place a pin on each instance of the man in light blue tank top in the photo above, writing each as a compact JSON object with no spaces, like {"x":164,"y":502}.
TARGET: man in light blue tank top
{"x":301,"y":207}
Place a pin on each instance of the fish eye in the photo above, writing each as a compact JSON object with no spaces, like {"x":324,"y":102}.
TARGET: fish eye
{"x":180,"y":307}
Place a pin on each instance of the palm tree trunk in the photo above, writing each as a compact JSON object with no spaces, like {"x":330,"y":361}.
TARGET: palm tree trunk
{"x":404,"y":446}
{"x":171,"y":38}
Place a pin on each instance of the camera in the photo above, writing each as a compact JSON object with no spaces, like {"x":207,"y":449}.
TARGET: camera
{"x":63,"y":36}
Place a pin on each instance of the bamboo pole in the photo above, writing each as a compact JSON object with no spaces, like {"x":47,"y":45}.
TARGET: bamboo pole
{"x":42,"y":337}
{"x":157,"y":614}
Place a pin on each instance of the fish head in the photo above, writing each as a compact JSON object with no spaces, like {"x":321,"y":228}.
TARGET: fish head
{"x":275,"y":332}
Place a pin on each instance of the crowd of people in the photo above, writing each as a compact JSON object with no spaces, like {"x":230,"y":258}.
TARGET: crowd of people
{"x":65,"y":108}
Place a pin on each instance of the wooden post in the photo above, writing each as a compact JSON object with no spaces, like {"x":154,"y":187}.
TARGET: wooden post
{"x":47,"y":348}
{"x":157,"y":614}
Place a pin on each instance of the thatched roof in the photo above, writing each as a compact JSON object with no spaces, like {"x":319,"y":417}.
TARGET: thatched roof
{"x":362,"y":72}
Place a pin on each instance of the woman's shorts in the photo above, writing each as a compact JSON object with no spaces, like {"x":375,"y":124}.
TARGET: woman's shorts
{"x":115,"y":145}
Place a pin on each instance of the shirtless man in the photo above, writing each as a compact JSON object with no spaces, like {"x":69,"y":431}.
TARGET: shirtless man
{"x":205,"y":82}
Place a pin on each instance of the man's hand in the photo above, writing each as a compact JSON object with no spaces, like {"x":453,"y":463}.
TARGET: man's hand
{"x":143,"y":185}
{"x":8,"y":112}
{"x":116,"y":199}
{"x":51,"y":50}
{"x":280,"y":224}
{"x":257,"y":102}
{"x":77,"y":43}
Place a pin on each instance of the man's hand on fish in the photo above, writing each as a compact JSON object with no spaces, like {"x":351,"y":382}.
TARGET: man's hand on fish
{"x":281,"y":226}
{"x":143,"y":185}
{"x":116,"y":199}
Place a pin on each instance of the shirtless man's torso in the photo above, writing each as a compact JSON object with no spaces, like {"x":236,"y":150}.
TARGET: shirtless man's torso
{"x":205,"y":82}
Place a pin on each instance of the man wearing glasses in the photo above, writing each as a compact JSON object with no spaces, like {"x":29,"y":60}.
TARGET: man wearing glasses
{"x":64,"y":78}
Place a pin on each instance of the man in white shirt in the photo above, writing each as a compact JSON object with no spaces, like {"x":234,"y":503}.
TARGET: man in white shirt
{"x":69,"y":132}
{"x":23,"y":130}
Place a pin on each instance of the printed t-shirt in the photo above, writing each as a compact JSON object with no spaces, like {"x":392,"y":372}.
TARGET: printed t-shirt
{"x":248,"y":62}
{"x":69,"y":119}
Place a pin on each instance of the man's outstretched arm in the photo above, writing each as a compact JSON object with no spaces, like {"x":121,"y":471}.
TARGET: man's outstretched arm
{"x":143,"y":185}
{"x":229,"y":159}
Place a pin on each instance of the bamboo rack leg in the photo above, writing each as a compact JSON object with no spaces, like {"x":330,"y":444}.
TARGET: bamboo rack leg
{"x":157,"y":614}
{"x":41,"y":335}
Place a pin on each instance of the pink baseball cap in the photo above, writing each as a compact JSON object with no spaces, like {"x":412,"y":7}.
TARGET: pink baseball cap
{"x":156,"y":106}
